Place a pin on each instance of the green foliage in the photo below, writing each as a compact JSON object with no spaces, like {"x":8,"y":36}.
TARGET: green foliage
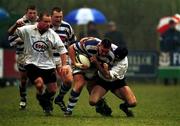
{"x":158,"y":105}
{"x":136,"y":19}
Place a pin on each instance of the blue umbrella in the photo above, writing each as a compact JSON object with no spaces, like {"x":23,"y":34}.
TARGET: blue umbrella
{"x":83,"y":15}
{"x":3,"y":14}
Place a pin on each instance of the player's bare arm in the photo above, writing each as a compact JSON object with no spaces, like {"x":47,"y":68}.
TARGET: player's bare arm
{"x":72,"y":55}
{"x":103,"y":68}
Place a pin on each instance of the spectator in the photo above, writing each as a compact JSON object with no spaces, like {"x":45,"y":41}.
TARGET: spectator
{"x":169,"y":42}
{"x":91,"y":31}
{"x":114,"y":35}
{"x":170,"y":38}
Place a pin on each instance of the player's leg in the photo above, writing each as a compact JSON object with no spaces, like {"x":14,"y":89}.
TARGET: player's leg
{"x":23,"y":87}
{"x":96,"y":99}
{"x":96,"y":94}
{"x":100,"y":105}
{"x":41,"y":89}
{"x":67,"y":81}
{"x":49,"y":79}
{"x":126,"y":94}
{"x":79,"y":82}
{"x":38,"y":81}
{"x":48,"y":97}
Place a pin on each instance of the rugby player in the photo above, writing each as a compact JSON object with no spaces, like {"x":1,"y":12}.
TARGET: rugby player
{"x":112,"y":78}
{"x":39,"y":41}
{"x":66,"y":33}
{"x":30,"y":18}
{"x":89,"y":47}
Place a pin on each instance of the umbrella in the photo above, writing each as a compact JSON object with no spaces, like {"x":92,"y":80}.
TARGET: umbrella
{"x":82,"y":16}
{"x":178,"y":23}
{"x":163,"y":24}
{"x":177,"y":27}
{"x":3,"y":14}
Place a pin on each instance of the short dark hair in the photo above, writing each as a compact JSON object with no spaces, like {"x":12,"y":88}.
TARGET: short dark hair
{"x":32,"y":7}
{"x":120,"y":53}
{"x":58,"y":9}
{"x":106,"y":43}
{"x":91,"y":23}
{"x":45,"y":13}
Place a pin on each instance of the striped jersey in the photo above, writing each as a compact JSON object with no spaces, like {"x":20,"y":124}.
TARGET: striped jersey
{"x":90,"y":48}
{"x":66,"y":33}
{"x":38,"y":48}
{"x":13,"y":39}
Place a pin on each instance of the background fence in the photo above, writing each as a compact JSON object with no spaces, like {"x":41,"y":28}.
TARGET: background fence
{"x":142,"y":65}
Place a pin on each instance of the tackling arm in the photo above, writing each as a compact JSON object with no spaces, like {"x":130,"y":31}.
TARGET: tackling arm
{"x":104,"y":69}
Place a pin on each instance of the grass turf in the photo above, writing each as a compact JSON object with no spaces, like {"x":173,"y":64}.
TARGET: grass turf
{"x":158,"y":105}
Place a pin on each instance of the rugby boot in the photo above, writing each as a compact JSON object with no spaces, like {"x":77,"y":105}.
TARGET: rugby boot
{"x":125,"y":109}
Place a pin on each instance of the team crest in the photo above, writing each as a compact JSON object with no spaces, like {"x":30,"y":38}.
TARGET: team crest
{"x":164,"y":59}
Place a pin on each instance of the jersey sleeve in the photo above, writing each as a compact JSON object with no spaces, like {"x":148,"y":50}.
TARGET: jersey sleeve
{"x":78,"y":47}
{"x":20,"y":32}
{"x":72,"y":37}
{"x":118,"y":71}
{"x":59,"y":45}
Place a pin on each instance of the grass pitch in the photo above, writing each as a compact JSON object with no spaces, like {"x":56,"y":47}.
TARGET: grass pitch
{"x":158,"y":105}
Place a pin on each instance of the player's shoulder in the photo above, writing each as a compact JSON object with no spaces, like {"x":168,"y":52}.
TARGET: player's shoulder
{"x":28,"y":27}
{"x":51,"y":31}
{"x":65,"y":24}
{"x":93,"y":41}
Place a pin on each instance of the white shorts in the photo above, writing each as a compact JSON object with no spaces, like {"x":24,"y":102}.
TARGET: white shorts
{"x":20,"y":59}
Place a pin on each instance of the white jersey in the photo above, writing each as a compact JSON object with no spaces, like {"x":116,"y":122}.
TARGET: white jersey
{"x":118,"y":70}
{"x":13,"y":39}
{"x":38,"y":48}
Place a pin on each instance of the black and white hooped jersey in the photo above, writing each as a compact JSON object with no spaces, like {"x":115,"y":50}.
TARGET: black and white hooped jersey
{"x":14,"y":39}
{"x":66,"y":33}
{"x":90,"y":48}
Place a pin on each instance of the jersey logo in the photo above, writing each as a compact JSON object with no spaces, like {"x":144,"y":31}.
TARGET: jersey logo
{"x":40,"y":46}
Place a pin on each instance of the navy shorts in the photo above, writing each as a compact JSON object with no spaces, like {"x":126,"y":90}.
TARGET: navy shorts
{"x":107,"y":85}
{"x":33,"y":72}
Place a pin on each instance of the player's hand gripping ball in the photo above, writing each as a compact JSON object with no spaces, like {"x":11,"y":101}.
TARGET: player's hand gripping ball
{"x":82,"y":59}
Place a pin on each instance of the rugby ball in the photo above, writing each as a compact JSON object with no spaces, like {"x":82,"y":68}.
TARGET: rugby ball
{"x":83,"y":60}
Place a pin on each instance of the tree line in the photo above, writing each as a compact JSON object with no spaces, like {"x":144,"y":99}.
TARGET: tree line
{"x":136,"y":19}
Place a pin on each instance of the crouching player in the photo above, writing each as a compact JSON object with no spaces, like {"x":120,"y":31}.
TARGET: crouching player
{"x":81,"y":73}
{"x":113,"y":79}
